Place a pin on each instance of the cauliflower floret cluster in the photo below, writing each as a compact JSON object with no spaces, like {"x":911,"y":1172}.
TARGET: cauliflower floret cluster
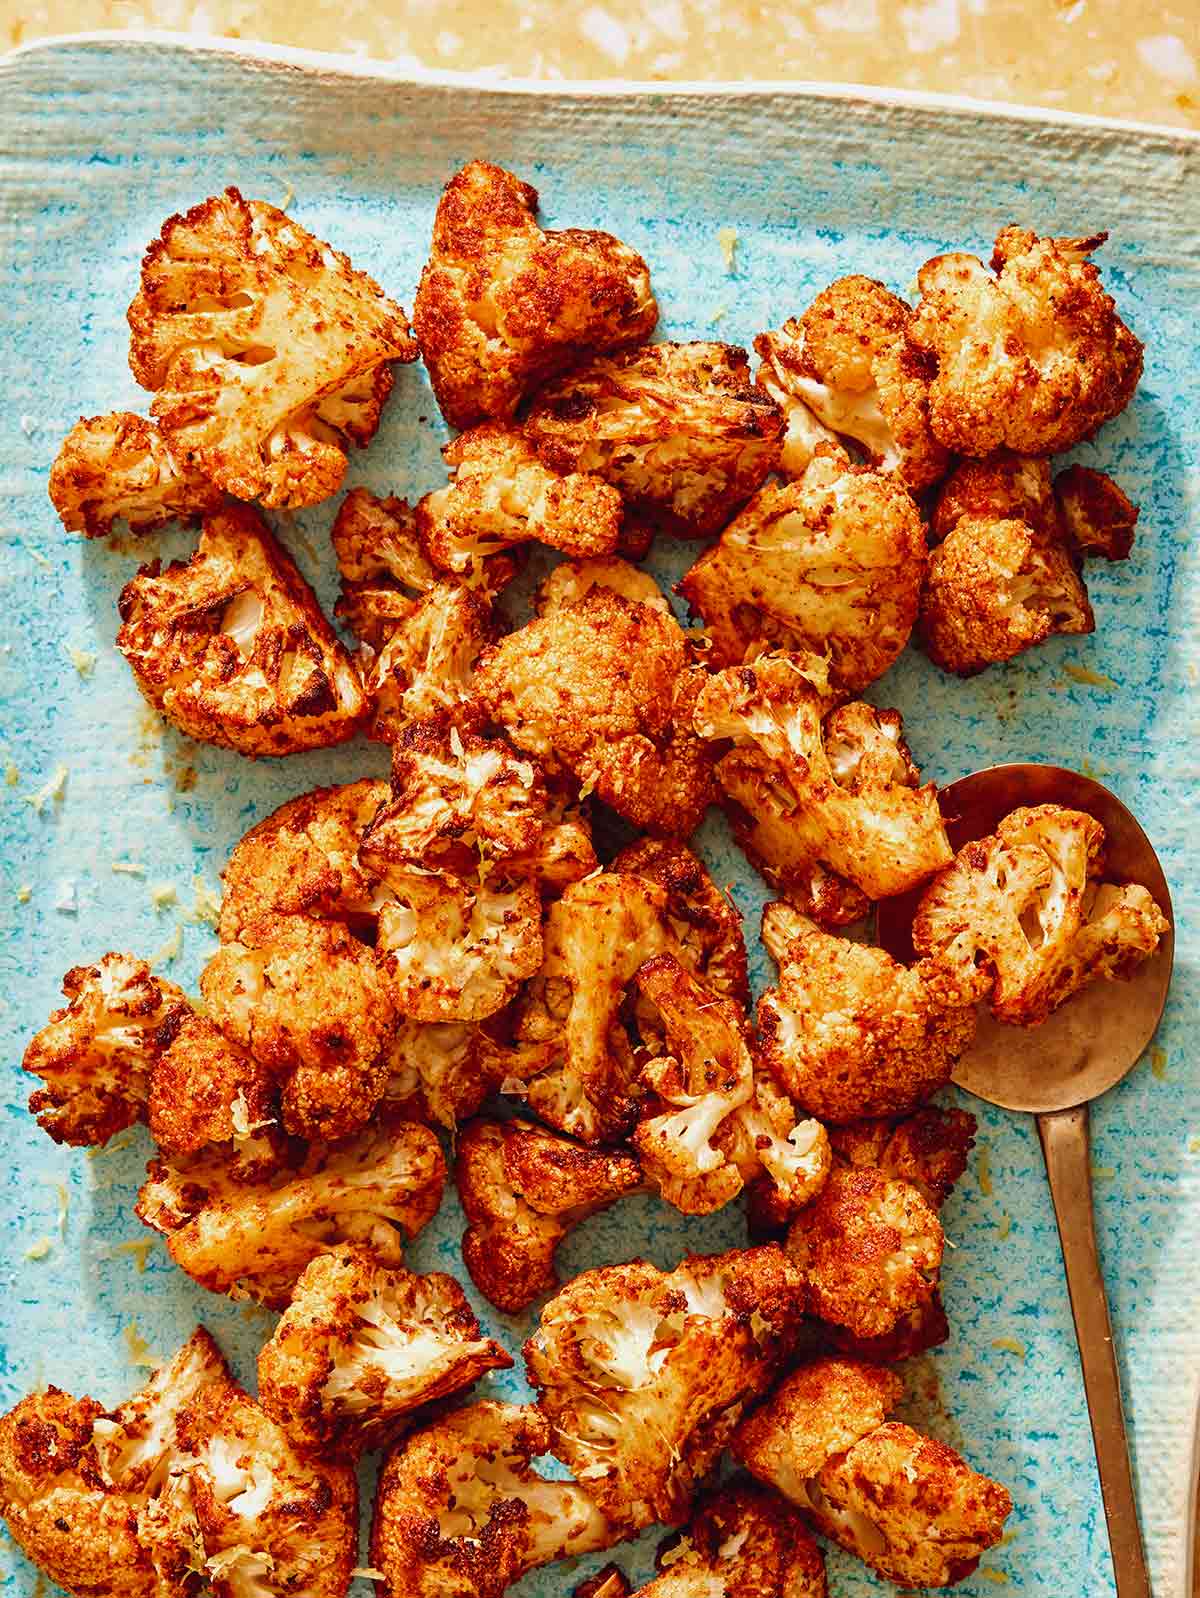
{"x":827,"y":806}
{"x":679,"y":429}
{"x":1030,"y":356}
{"x":644,"y":1374}
{"x":204,"y":1089}
{"x":502,"y":305}
{"x":830,"y":565}
{"x":313,"y":1006}
{"x":846,"y":368}
{"x":1024,"y":918}
{"x":247,"y":1218}
{"x":360,"y":1347}
{"x":265,"y":348}
{"x":573,"y":580}
{"x":460,"y":1508}
{"x":522,"y":1190}
{"x":231,"y":646}
{"x":928,"y":1149}
{"x":604,"y":689}
{"x":119,"y":467}
{"x":849,"y":1032}
{"x":500,"y":495}
{"x":440,"y":1072}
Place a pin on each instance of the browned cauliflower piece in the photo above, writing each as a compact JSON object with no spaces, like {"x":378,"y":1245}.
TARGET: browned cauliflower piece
{"x":461,"y":1511}
{"x":1098,"y":517}
{"x":261,"y":344}
{"x":921,"y":1329}
{"x":573,"y":580}
{"x":203,"y":1089}
{"x":869,"y":1250}
{"x":231,"y":646}
{"x":604,"y":689}
{"x":710,"y":1124}
{"x":1030,"y":356}
{"x":1024,"y":917}
{"x":928,"y":1149}
{"x":820,"y":1410}
{"x":679,"y":429}
{"x":522,"y":1190}
{"x":360,"y":1347}
{"x":303,"y":860}
{"x":95,"y":1057}
{"x":420,"y":632}
{"x":848,"y":363}
{"x":827,"y":806}
{"x":440,"y":1072}
{"x":644,"y":1374}
{"x":313,"y":1005}
{"x":246,"y":1219}
{"x":1004,"y":487}
{"x":119,"y":467}
{"x":502,"y":305}
{"x":500,"y":495}
{"x":849,"y":1032}
{"x":77,"y":1481}
{"x":741,"y":1542}
{"x":596,"y":937}
{"x":830,"y":564}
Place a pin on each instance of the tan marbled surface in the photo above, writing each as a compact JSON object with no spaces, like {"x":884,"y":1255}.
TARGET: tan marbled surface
{"x":1121,"y":58}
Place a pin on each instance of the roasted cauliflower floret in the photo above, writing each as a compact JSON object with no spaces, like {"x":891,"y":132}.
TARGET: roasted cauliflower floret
{"x":644,"y":1375}
{"x":850,"y":1032}
{"x":596,"y":937}
{"x":921,"y":1329}
{"x":522,"y":1190}
{"x":741,"y":1542}
{"x":203,"y":1089}
{"x":118,"y":467}
{"x":502,"y":305}
{"x":231,"y":646}
{"x":440,"y":1072}
{"x":573,"y":580}
{"x":500,"y":495}
{"x":360,"y":1347}
{"x":303,"y":860}
{"x":95,"y":1057}
{"x":679,"y":429}
{"x":76,"y":1480}
{"x":603,"y":689}
{"x":847,"y":362}
{"x":314,"y":1007}
{"x":1024,"y":917}
{"x":827,"y":807}
{"x":1030,"y":356}
{"x":247,"y":1219}
{"x":460,"y":1509}
{"x":869,"y":1250}
{"x":1099,"y":519}
{"x":817,"y":1412}
{"x":830,"y":564}
{"x":928,"y":1149}
{"x":263,"y":346}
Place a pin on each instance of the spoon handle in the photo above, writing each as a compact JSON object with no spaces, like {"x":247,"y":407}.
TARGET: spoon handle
{"x":1065,"y":1144}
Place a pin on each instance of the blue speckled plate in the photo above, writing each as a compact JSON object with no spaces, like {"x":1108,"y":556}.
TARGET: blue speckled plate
{"x":99,"y":140}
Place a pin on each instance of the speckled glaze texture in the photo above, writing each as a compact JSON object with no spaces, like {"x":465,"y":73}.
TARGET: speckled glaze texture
{"x":99,"y":141}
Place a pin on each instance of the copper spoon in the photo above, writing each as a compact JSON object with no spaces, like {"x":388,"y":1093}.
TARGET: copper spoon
{"x":1055,"y":1070}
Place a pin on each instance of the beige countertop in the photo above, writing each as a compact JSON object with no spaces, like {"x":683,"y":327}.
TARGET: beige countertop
{"x":1118,"y":58}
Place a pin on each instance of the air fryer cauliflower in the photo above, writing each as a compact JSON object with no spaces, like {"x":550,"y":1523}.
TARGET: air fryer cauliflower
{"x":826,"y":806}
{"x":502,"y":305}
{"x":704,"y":923}
{"x":248,"y":1218}
{"x":461,"y":1511}
{"x":573,"y":580}
{"x":742,"y":1542}
{"x":679,"y":429}
{"x":359,"y":1348}
{"x":420,"y":632}
{"x":644,"y":1375}
{"x":95,"y":1057}
{"x":819,"y":1411}
{"x":830,"y":564}
{"x":303,"y":861}
{"x":118,"y":467}
{"x":1098,"y":518}
{"x":928,"y":1149}
{"x":440,"y":1072}
{"x":596,"y":937}
{"x":848,"y":362}
{"x":604,"y":689}
{"x":265,"y":349}
{"x":522,"y":1190}
{"x":1030,"y":356}
{"x":313,"y":1006}
{"x":232,"y":646}
{"x":203,"y":1089}
{"x":1023,"y":916}
{"x":869,"y":1250}
{"x":850,"y":1032}
{"x":500,"y":495}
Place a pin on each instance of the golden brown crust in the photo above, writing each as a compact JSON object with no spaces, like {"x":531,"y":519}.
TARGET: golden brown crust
{"x":203,"y":1089}
{"x":1099,"y":517}
{"x":742,"y":1542}
{"x":118,"y":467}
{"x":503,"y":306}
{"x":818,"y":1411}
{"x":929,"y":1149}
